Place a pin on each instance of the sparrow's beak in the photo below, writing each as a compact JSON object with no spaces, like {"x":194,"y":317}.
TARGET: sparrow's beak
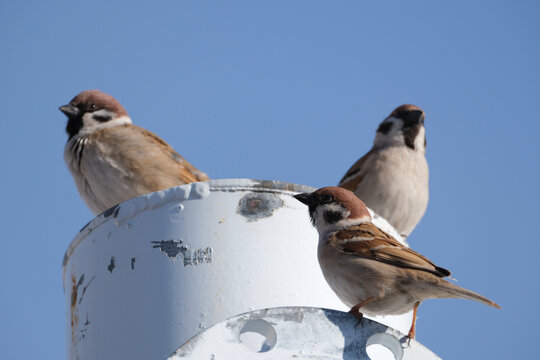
{"x":304,"y":198}
{"x":70,"y":111}
{"x":415,"y":116}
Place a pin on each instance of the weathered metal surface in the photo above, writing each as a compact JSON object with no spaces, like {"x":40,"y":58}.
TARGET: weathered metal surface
{"x":300,"y":333}
{"x":147,"y":275}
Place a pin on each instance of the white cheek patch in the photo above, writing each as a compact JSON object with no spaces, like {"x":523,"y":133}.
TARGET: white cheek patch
{"x":393,"y":137}
{"x":91,"y":124}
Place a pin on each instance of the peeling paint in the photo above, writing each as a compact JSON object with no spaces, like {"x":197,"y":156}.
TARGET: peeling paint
{"x":111,"y":265}
{"x":256,"y":206}
{"x":190,"y":257}
{"x":85,"y":329}
{"x":169,"y":247}
{"x":86,"y":287}
{"x":111,"y":211}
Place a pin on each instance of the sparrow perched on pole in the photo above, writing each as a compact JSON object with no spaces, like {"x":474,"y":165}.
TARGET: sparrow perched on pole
{"x":112,"y":160}
{"x":369,"y":270}
{"x":392,"y":178}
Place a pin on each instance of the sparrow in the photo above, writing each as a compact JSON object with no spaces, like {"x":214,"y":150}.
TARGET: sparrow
{"x":112,"y":160}
{"x":369,"y":270}
{"x":392,"y":178}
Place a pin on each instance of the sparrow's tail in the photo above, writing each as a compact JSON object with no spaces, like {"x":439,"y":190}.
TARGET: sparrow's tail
{"x":459,"y":292}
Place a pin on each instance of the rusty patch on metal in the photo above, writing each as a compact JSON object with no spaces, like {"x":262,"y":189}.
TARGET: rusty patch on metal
{"x":74,"y":313}
{"x":256,"y":206}
{"x":111,"y":265}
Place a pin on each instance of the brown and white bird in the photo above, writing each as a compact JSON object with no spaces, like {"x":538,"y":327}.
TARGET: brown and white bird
{"x":392,"y":178}
{"x":112,"y":160}
{"x":369,"y":270}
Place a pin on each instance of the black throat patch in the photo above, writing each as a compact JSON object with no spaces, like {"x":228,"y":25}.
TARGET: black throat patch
{"x":73,"y":126}
{"x":409,"y":134}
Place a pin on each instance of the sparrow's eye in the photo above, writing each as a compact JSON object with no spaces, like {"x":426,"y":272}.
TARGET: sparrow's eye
{"x":326,"y":198}
{"x":93,"y":107}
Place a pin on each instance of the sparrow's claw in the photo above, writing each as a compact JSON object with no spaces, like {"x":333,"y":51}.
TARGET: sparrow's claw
{"x":355,"y":310}
{"x":357,"y":314}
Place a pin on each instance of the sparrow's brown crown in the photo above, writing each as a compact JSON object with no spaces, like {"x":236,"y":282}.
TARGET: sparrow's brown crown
{"x":92,"y":100}
{"x":335,"y":195}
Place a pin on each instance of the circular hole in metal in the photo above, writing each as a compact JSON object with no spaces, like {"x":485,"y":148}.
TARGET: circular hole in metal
{"x":258,"y":336}
{"x":382,"y":346}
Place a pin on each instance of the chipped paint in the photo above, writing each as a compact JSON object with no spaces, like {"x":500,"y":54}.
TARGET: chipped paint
{"x":85,"y":328}
{"x":111,"y":211}
{"x":86,"y":287}
{"x":207,"y":258}
{"x":169,"y":247}
{"x":256,"y":206}
{"x":111,"y":265}
{"x":181,"y":193}
{"x":190,"y":257}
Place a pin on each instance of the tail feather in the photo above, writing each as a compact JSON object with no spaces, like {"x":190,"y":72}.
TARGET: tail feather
{"x":459,"y":292}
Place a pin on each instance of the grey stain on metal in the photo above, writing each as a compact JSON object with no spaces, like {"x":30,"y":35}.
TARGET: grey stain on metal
{"x":196,"y":257}
{"x":256,"y":206}
{"x":132,"y":263}
{"x":111,"y":265}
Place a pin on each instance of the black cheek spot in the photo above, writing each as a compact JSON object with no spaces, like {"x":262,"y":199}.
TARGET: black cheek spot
{"x":102,"y":118}
{"x":333,"y":216}
{"x":385,"y":127}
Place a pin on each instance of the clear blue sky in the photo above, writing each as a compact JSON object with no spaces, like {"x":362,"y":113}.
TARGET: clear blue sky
{"x":292,"y":91}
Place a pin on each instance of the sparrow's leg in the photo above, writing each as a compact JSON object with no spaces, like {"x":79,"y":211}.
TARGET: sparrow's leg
{"x":412,"y":331}
{"x":355,"y":310}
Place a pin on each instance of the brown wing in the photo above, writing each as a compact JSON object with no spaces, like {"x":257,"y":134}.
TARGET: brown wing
{"x":140,"y":151}
{"x":353,"y":177}
{"x":185,"y":171}
{"x":368,"y":241}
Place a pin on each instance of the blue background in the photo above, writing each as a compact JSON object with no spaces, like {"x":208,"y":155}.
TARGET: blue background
{"x":292,"y":91}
